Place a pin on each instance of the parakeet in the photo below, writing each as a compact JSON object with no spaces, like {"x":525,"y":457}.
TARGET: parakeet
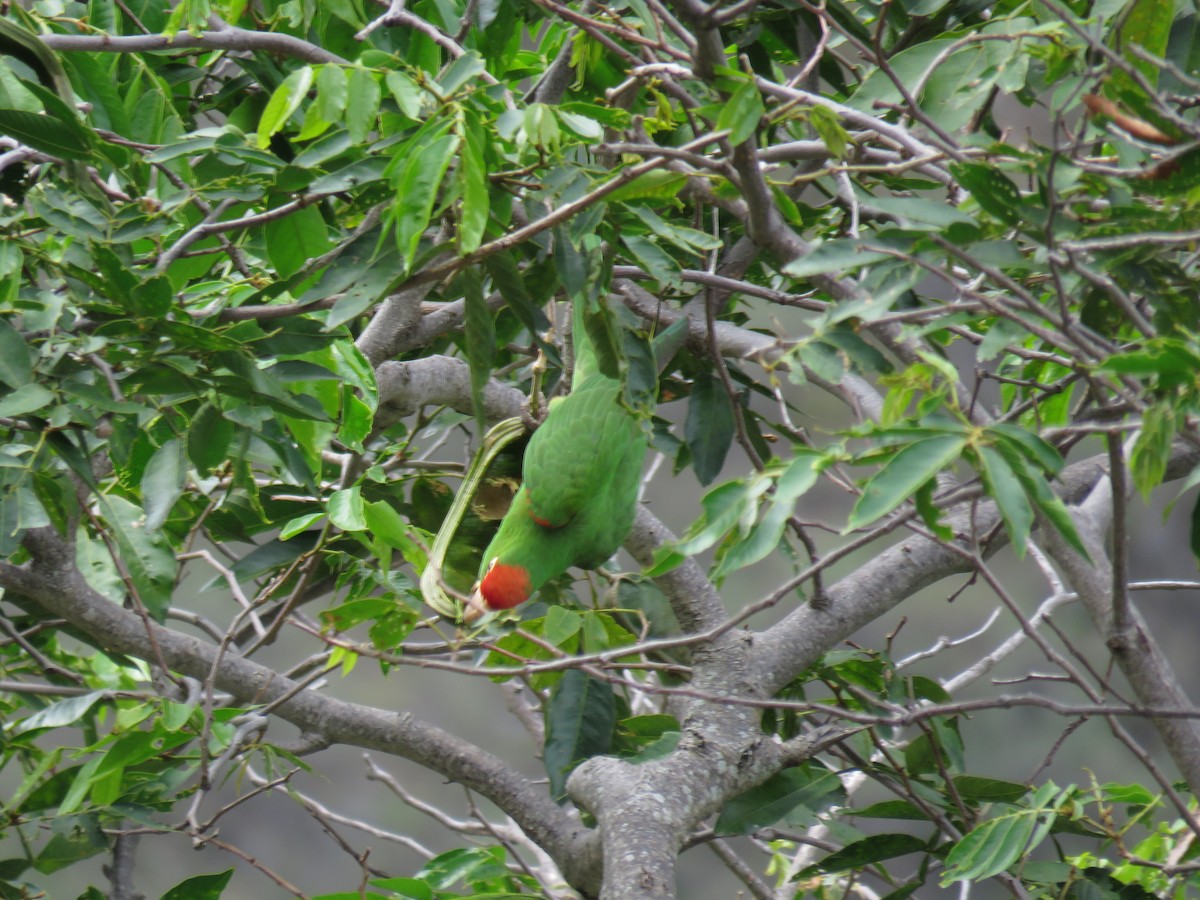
{"x":579,"y":491}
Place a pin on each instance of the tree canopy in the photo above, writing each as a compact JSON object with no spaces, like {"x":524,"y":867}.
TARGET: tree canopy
{"x":903,"y":292}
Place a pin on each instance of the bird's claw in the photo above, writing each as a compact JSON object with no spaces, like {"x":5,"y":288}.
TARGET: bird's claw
{"x":532,"y":416}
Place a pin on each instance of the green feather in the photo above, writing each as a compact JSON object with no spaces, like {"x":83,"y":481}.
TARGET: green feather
{"x":582,"y":470}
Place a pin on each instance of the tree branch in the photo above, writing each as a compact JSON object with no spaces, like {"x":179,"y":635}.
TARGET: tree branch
{"x":53,"y":582}
{"x":1134,"y":648}
{"x":883,"y":582}
{"x":229,"y":38}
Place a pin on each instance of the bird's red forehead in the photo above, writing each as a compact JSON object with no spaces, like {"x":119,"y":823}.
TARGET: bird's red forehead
{"x":504,"y":586}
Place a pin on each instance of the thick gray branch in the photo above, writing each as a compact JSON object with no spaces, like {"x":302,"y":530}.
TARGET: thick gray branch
{"x":394,"y":326}
{"x":1134,"y":648}
{"x":889,"y":578}
{"x":406,"y":386}
{"x":226,"y":39}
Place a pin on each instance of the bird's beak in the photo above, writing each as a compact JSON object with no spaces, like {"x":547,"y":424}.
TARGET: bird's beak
{"x":475,"y":608}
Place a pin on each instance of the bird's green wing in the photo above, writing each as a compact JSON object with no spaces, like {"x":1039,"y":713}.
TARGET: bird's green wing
{"x":572,"y":456}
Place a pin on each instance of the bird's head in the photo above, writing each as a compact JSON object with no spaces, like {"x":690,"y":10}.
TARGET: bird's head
{"x":504,"y":586}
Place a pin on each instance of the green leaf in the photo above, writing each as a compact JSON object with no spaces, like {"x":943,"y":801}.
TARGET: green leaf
{"x":406,"y":92}
{"x":868,"y":851}
{"x":793,"y":797}
{"x":891,"y":809}
{"x":1152,"y":449}
{"x":44,"y":133}
{"x":580,"y":718}
{"x":347,"y":178}
{"x":152,"y":298}
{"x":208,"y":438}
{"x":992,"y":190}
{"x":723,"y":506}
{"x":299,"y":524}
{"x":657,"y":184}
{"x":148,"y":557}
{"x":345,"y":509}
{"x":79,"y":839}
{"x":200,"y":887}
{"x":709,"y":427}
{"x":332,"y":92}
{"x":416,"y":191}
{"x":1148,"y":24}
{"x":58,"y":714}
{"x":162,"y":482}
{"x":295,"y":238}
{"x":465,"y":68}
{"x":659,"y":264}
{"x":741,"y":113}
{"x":902,"y":475}
{"x":25,"y":399}
{"x":981,"y":789}
{"x":848,"y":254}
{"x":561,"y":625}
{"x":473,"y":182}
{"x":800,"y":475}
{"x":998,"y":843}
{"x":1006,"y":489}
{"x":362,"y":105}
{"x":285,"y":100}
{"x":507,"y":278}
{"x":16,"y":360}
{"x":1033,"y":446}
{"x":1043,"y":497}
{"x":829,"y":129}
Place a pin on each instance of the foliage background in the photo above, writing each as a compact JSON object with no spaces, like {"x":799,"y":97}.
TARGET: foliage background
{"x":264,"y":287}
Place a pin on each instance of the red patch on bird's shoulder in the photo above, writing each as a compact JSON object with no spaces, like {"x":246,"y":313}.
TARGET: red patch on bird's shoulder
{"x":504,"y":586}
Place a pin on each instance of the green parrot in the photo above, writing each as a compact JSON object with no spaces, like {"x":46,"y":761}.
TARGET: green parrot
{"x":578,"y":495}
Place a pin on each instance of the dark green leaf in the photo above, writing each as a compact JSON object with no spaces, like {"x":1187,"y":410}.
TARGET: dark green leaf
{"x":992,"y":189}
{"x":793,"y":796}
{"x":580,"y":718}
{"x":162,"y":482}
{"x":347,"y":178}
{"x":868,"y":851}
{"x":62,"y":712}
{"x":506,"y":275}
{"x":473,"y":183}
{"x":1006,"y":489}
{"x":981,"y":789}
{"x":25,"y":399}
{"x":16,"y":362}
{"x":200,"y":887}
{"x":417,"y":189}
{"x":44,"y":133}
{"x":848,"y":254}
{"x":709,"y":427}
{"x":208,"y":438}
{"x":903,"y":474}
{"x":741,"y":113}
{"x":295,"y":238}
